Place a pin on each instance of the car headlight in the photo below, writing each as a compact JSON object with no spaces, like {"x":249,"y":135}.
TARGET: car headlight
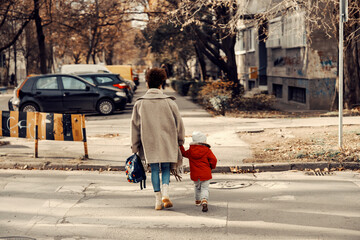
{"x":121,"y":94}
{"x":15,"y":101}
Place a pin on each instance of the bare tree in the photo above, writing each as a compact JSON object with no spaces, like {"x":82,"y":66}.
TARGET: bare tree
{"x":93,"y":24}
{"x":211,"y":25}
{"x":13,"y":15}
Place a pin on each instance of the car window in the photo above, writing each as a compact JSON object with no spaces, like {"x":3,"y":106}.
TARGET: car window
{"x":103,"y":80}
{"x":71,"y":83}
{"x":47,"y":83}
{"x":89,"y":79}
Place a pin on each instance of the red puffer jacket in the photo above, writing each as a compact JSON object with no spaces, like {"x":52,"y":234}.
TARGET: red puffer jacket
{"x":201,"y":160}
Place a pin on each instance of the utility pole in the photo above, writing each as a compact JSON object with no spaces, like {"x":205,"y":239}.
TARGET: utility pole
{"x":343,"y":17}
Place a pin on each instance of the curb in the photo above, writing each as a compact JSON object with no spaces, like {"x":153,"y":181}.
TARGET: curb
{"x":246,"y":168}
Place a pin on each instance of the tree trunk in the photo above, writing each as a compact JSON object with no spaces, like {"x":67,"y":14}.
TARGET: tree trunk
{"x":211,"y":47}
{"x":15,"y":67}
{"x":50,"y":64}
{"x":351,"y":77}
{"x":88,"y":55}
{"x":351,"y":66}
{"x":77,"y":58}
{"x":231,"y":73}
{"x":351,"y":70}
{"x":202,"y":63}
{"x":109,"y":56}
{"x":94,"y":57}
{"x":40,"y":37}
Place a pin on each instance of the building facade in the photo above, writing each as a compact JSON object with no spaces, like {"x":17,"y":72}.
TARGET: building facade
{"x":300,"y":69}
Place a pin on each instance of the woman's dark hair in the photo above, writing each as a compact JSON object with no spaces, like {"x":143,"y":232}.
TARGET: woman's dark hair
{"x":155,"y":77}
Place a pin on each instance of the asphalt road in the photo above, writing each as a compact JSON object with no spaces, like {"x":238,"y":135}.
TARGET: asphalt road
{"x":93,"y":205}
{"x":4,"y":98}
{"x":109,"y":141}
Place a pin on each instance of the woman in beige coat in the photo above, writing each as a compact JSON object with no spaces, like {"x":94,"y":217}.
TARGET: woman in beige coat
{"x":157,"y":131}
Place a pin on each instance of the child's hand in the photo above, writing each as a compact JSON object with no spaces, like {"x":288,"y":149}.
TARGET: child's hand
{"x":176,"y":175}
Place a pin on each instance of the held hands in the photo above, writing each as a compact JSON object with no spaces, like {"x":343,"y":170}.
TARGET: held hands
{"x":176,"y":175}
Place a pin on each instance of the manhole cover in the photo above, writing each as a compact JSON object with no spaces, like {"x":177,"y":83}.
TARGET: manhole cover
{"x":229,"y":184}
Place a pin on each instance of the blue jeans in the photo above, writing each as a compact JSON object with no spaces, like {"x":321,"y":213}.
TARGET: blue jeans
{"x":155,"y":175}
{"x":201,"y":190}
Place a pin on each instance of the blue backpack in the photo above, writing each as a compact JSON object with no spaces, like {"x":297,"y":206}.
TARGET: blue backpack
{"x":134,"y":170}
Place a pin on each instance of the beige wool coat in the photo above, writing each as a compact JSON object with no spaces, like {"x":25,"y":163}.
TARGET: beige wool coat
{"x":157,"y":129}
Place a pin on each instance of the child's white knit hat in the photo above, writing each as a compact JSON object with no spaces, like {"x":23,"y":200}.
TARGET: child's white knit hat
{"x":198,"y":137}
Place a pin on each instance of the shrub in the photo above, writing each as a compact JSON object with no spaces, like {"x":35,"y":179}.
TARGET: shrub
{"x":256,"y":102}
{"x":220,"y":103}
{"x":181,"y":86}
{"x":194,"y":90}
{"x":173,"y":84}
{"x":216,"y":96}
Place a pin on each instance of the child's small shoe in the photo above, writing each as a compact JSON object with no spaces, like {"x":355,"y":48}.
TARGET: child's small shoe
{"x":197,"y":202}
{"x":204,"y":204}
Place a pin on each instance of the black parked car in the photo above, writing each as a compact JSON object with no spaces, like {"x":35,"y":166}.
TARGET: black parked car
{"x":110,"y":80}
{"x":64,"y":93}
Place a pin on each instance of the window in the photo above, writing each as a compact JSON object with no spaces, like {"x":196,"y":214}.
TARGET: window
{"x":277,"y":90}
{"x":70,"y":83}
{"x":297,"y":94}
{"x":240,"y":43}
{"x":294,"y":30}
{"x":251,"y":39}
{"x":245,"y":41}
{"x":103,"y":80}
{"x":275,"y":34}
{"x":89,"y":79}
{"x":47,"y":83}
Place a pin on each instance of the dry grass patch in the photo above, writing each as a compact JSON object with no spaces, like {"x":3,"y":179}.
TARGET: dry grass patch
{"x":304,"y":144}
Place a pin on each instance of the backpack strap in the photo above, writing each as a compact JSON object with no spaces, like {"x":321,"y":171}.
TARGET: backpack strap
{"x":142,"y":184}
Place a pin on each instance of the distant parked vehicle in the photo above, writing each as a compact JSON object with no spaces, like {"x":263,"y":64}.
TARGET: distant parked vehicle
{"x":62,"y":93}
{"x":136,"y":79}
{"x":83,"y":68}
{"x":110,"y":80}
{"x":125,"y":72}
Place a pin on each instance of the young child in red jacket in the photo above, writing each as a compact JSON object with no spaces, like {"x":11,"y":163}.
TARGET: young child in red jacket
{"x":201,"y":160}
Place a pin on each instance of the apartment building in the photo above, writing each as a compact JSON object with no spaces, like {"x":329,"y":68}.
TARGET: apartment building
{"x":300,"y":69}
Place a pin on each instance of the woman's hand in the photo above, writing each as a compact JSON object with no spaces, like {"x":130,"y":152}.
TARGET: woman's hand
{"x":176,"y":175}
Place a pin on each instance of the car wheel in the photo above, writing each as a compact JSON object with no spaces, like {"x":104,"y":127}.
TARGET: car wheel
{"x":29,"y":107}
{"x":105,"y":107}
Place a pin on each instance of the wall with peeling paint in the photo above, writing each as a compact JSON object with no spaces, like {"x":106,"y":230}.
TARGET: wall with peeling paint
{"x":286,"y":62}
{"x":313,"y":67}
{"x":322,"y":56}
{"x":321,"y":91}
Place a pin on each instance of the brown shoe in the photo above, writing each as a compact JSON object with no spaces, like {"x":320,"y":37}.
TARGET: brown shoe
{"x":204,"y":204}
{"x":167,"y":203}
{"x":197,"y":202}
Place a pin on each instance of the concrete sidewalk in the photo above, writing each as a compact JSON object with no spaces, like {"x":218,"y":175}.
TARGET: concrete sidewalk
{"x":109,"y":141}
